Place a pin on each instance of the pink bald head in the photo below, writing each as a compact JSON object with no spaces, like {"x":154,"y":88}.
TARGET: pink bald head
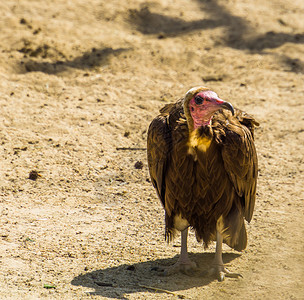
{"x":203,"y":105}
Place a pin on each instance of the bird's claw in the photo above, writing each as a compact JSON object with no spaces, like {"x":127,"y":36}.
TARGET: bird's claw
{"x":234,"y":275}
{"x":221,"y":272}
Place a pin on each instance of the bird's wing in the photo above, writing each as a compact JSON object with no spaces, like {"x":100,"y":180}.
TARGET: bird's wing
{"x":240,"y":158}
{"x":159,"y":144}
{"x":158,"y":148}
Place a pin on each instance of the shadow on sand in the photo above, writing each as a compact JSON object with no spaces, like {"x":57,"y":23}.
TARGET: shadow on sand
{"x":237,"y":31}
{"x":116,"y":282}
{"x":90,"y":59}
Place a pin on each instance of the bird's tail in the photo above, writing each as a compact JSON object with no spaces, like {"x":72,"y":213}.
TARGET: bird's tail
{"x":234,"y":232}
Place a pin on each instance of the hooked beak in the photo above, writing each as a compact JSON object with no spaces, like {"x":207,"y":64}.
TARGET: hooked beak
{"x":227,"y":105}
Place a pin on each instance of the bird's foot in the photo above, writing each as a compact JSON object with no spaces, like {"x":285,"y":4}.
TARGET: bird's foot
{"x":187,"y":267}
{"x":221,"y":272}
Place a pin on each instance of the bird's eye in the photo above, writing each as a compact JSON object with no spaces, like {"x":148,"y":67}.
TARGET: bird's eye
{"x":198,"y":100}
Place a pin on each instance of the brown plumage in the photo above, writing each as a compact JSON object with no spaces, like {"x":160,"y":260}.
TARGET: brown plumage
{"x":203,"y":165}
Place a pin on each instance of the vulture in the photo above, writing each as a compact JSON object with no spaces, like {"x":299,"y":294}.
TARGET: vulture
{"x":203,"y":165}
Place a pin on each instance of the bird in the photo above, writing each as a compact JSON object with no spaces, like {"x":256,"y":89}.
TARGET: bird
{"x":203,"y":165}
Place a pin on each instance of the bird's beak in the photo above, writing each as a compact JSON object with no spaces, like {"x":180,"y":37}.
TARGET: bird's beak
{"x":218,"y":103}
{"x":227,"y":105}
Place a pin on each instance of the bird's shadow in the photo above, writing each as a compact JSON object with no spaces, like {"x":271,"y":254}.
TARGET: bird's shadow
{"x":116,"y":282}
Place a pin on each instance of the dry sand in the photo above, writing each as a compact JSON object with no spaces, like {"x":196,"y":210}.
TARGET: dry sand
{"x":80,"y":82}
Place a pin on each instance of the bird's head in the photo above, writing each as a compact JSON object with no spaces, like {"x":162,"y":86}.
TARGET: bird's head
{"x":200,"y":104}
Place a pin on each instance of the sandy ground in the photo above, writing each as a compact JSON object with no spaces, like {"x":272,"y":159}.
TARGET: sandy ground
{"x":80,"y":81}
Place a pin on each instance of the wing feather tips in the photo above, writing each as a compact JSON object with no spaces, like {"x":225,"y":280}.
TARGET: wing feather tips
{"x":170,"y":232}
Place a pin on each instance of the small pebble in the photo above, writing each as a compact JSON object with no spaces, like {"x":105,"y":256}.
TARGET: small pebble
{"x":139,"y":165}
{"x":34,"y":175}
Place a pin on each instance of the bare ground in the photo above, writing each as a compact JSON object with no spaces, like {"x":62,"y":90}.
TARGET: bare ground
{"x":79,"y":83}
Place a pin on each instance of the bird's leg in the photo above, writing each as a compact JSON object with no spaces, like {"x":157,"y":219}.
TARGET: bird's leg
{"x":218,"y":266}
{"x":184,"y":264}
{"x":184,"y":258}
